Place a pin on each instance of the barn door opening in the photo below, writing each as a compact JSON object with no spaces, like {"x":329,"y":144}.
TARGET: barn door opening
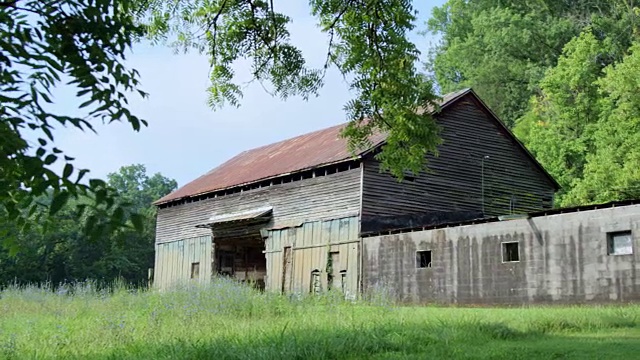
{"x":239,"y":247}
{"x":241,"y":258}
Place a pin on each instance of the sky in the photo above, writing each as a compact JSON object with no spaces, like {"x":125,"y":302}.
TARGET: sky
{"x":185,"y":137}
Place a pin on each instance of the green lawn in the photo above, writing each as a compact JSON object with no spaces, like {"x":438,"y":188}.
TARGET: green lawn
{"x":229,"y":321}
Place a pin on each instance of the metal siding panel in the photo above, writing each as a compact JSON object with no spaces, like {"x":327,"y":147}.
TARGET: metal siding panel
{"x":310,"y":246}
{"x":268,"y":284}
{"x":269,"y":277}
{"x":271,"y":272}
{"x":325,"y":234}
{"x":174,"y":261}
{"x":164,"y":264}
{"x":276,"y":242}
{"x":276,"y":279}
{"x":334,"y":235}
{"x":158,"y":278}
{"x":177,"y":266}
{"x":354,"y":228}
{"x":180,"y":274}
{"x":168,"y":258}
{"x":305,"y":268}
{"x":321,"y":263}
{"x":307,"y":235}
{"x":353,"y":270}
{"x":270,"y":241}
{"x":297,"y":283}
{"x":171,"y":255}
{"x":207,"y":260}
{"x":156,"y":267}
{"x":196,"y":256}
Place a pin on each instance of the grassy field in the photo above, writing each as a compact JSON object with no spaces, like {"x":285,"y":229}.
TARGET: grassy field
{"x":227,"y":321}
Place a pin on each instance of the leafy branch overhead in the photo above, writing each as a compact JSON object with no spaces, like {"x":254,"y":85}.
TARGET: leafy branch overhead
{"x":368,"y":43}
{"x":46,"y":46}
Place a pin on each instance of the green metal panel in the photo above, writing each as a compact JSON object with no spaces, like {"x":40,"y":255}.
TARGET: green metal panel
{"x":311,"y":244}
{"x":174,"y":260}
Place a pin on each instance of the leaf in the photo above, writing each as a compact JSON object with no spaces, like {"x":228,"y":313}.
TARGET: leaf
{"x":59,"y":200}
{"x":138,"y":222}
{"x":50,"y":159}
{"x":68,"y":170}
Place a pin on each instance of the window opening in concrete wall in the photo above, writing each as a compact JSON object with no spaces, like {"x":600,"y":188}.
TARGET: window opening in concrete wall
{"x":423,"y":259}
{"x":619,"y":243}
{"x":195,"y":270}
{"x":510,"y":252}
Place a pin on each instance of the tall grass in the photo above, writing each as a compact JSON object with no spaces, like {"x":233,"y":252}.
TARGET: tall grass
{"x":227,"y":320}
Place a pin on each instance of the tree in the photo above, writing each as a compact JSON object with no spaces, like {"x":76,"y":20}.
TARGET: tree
{"x":583,"y":125}
{"x":563,"y":118}
{"x":367,"y":42}
{"x":611,"y":171}
{"x":46,"y":45}
{"x":503,"y":48}
{"x":64,"y":253}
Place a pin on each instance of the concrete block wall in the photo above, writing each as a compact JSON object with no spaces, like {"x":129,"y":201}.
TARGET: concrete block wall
{"x":562,"y":258}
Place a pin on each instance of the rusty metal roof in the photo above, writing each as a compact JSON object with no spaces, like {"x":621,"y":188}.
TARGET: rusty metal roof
{"x":312,"y":150}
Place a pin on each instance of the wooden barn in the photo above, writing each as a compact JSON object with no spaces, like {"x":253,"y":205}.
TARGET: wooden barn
{"x":289,"y":216}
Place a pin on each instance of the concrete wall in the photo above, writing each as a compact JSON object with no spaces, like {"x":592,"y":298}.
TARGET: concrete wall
{"x":562,"y":258}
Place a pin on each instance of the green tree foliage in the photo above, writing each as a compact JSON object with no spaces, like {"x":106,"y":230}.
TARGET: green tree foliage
{"x":59,"y":251}
{"x":588,"y":137}
{"x":565,"y":115}
{"x":503,"y":48}
{"x":562,"y":74}
{"x":367,"y":42}
{"x":46,"y":46}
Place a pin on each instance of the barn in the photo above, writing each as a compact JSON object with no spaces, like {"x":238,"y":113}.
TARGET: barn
{"x":291,"y":216}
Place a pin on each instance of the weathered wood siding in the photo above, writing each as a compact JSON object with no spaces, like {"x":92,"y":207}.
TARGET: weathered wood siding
{"x":174,"y":260}
{"x":310,"y":246}
{"x":454,"y":183}
{"x":325,"y":197}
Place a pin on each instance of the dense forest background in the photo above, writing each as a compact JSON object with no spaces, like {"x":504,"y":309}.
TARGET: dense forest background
{"x":563,"y":75}
{"x":57,"y":249}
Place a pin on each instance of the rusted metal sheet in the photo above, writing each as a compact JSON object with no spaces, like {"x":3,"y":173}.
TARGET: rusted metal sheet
{"x":307,"y":151}
{"x":310,"y":246}
{"x":182,"y":261}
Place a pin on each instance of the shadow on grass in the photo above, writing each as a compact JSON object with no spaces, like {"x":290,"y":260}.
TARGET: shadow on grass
{"x":443,"y":341}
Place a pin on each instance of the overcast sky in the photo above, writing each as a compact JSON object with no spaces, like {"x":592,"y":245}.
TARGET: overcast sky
{"x":185,"y":138}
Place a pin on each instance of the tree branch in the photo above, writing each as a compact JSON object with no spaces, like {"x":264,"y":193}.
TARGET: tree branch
{"x":331,"y":30}
{"x":10,"y":3}
{"x":214,"y":22}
